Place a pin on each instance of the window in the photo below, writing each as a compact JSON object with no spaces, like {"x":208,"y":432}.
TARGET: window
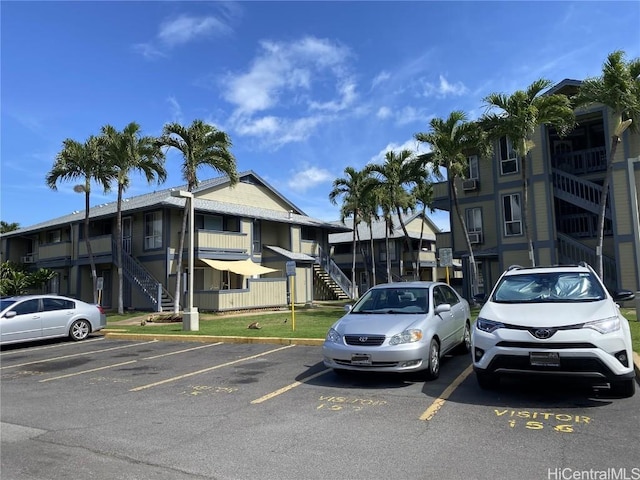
{"x":342,"y":249}
{"x":508,"y":157}
{"x":474,"y":220}
{"x":308,"y":233}
{"x":54,"y":236}
{"x":153,"y":230}
{"x":257,"y":236}
{"x":449,"y":295}
{"x":27,"y":307}
{"x":52,"y":304}
{"x":512,"y":215}
{"x":474,"y":173}
{"x":217,"y":223}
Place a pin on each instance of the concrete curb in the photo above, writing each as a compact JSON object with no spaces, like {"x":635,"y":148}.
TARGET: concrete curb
{"x":213,"y":339}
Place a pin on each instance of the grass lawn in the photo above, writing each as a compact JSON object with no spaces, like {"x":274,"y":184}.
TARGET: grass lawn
{"x":309,"y":323}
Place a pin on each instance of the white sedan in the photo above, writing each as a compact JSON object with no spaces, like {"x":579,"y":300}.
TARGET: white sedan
{"x":400,"y":327}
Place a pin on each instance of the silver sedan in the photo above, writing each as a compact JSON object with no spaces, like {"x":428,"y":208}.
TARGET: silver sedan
{"x":37,"y":317}
{"x":400,"y":327}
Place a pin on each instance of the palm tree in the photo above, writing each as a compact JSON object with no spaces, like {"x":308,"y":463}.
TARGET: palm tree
{"x":201,"y":145}
{"x":399,"y":171}
{"x":128,"y":151}
{"x":82,"y":161}
{"x":423,"y":193}
{"x":452,"y":141}
{"x":519,"y":115}
{"x":369,"y":214}
{"x":619,"y":89}
{"x":350,"y":188}
{"x":6,"y":227}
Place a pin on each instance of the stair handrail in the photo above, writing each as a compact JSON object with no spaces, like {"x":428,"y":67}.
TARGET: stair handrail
{"x":572,"y":251}
{"x":336,"y":274}
{"x":585,"y":192}
{"x":142,"y":278}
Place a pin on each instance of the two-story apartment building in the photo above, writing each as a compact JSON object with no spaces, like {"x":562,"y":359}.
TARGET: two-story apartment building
{"x":566,"y":175}
{"x":241,"y":232}
{"x":403,"y":265}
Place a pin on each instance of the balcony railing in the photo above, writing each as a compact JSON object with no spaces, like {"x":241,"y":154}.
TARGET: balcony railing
{"x":54,"y":250}
{"x":100,"y":245}
{"x":581,"y":162}
{"x":232,"y":241}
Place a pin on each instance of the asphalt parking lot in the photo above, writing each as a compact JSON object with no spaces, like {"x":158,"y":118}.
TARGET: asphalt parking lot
{"x":145,"y":409}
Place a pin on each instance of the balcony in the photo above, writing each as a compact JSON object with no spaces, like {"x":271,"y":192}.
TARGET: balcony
{"x":309,"y":247}
{"x":54,"y":251}
{"x":222,"y":241}
{"x":100,"y":246}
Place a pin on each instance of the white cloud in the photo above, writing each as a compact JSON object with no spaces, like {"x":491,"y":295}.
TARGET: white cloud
{"x":308,"y":178}
{"x":277,"y":131}
{"x":444,"y":88}
{"x":186,"y":28}
{"x":410,"y":144}
{"x":176,"y":110}
{"x":380,"y":78}
{"x":383,"y":112}
{"x":148,"y":51}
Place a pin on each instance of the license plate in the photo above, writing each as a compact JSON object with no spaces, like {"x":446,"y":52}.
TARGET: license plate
{"x":544,"y":359}
{"x":360,"y":359}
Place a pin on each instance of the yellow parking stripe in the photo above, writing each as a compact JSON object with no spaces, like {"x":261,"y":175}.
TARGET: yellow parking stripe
{"x":87,"y":371}
{"x":287,"y":388}
{"x":439,"y":402}
{"x":204,"y":370}
{"x":76,"y":355}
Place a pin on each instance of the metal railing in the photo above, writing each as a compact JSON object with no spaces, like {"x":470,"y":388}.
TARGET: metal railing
{"x":335,"y":273}
{"x":577,"y":191}
{"x":571,"y":251}
{"x":582,"y":161}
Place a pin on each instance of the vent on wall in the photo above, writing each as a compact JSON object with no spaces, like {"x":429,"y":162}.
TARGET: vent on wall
{"x":475,"y":237}
{"x":469,"y":185}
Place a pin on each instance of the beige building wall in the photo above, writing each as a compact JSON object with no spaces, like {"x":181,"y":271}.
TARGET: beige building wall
{"x":246,"y":194}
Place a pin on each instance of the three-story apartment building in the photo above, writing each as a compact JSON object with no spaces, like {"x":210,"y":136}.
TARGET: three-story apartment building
{"x":566,"y":175}
{"x":245,"y":237}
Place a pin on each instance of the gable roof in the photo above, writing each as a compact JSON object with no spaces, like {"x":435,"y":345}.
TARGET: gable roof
{"x":164,"y":199}
{"x":378,"y":229}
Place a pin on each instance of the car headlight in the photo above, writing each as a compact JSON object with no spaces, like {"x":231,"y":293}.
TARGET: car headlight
{"x":488,"y":325}
{"x":408,"y":336}
{"x":333,"y":336}
{"x":606,"y":325}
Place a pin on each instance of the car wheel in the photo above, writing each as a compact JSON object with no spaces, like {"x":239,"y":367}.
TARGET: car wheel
{"x":433,"y":369}
{"x":487,"y":381}
{"x":79,"y":330}
{"x":623,"y":388}
{"x":465,"y":346}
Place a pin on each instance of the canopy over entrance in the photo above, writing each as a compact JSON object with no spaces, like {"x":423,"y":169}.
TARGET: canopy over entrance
{"x":241,"y":267}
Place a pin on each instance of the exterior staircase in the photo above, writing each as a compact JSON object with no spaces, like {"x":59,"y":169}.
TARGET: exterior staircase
{"x":579,"y":192}
{"x":329,"y":275}
{"x":159,"y":298}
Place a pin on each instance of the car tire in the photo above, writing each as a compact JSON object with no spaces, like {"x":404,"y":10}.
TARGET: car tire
{"x":79,"y":330}
{"x":341,"y":372}
{"x":465,"y":346}
{"x":433,"y":359}
{"x":624,"y":388}
{"x":487,"y":381}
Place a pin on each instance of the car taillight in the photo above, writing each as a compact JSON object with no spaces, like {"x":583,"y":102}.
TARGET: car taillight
{"x":101,"y":309}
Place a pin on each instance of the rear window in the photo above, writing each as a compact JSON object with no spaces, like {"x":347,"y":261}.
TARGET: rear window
{"x":51,"y":304}
{"x":549,"y":287}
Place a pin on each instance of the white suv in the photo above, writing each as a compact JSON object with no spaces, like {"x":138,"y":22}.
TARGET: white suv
{"x":555,"y":321}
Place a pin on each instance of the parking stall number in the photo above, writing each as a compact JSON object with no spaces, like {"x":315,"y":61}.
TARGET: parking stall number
{"x":197,"y":390}
{"x":532,"y":420}
{"x":347,"y":403}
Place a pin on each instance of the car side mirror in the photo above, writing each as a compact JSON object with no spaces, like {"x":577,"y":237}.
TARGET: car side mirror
{"x":10,"y":314}
{"x":479,"y":298}
{"x":623,"y":295}
{"x":347,"y":308}
{"x":443,"y":307}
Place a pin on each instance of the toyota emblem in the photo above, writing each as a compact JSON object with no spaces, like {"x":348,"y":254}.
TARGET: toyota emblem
{"x":363,"y":339}
{"x":543,"y":333}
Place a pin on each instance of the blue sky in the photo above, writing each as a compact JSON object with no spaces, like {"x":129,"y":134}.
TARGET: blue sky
{"x":304,"y":89}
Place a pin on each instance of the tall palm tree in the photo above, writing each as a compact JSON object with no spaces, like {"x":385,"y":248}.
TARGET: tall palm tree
{"x":452,"y":141}
{"x":399,"y":172}
{"x":518,"y":116}
{"x":350,"y":188}
{"x":125,"y":152}
{"x":369,"y":213}
{"x":423,"y":193}
{"x":619,"y":89}
{"x":6,"y":227}
{"x":82,"y":161}
{"x":201,"y":145}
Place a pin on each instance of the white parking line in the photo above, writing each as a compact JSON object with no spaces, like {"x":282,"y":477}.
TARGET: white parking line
{"x":75,"y":355}
{"x":204,"y":370}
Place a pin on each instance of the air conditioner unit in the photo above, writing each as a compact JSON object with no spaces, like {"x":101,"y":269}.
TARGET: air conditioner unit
{"x":28,"y":258}
{"x":468,"y":185}
{"x":475,"y":237}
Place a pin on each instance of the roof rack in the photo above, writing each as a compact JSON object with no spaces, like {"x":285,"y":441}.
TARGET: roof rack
{"x":514,"y":267}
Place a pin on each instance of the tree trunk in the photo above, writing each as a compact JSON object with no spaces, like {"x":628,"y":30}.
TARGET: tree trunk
{"x":353,"y":259}
{"x":407,"y":239}
{"x":176,"y":300}
{"x":604,"y":193}
{"x":373,"y":255}
{"x":472,"y":259}
{"x":387,"y":226}
{"x":424,"y":214}
{"x":92,"y":263}
{"x":119,"y":249}
{"x":525,"y":207}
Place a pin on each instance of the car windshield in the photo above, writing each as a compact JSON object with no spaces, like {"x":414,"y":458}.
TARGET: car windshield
{"x":555,"y":287}
{"x":6,"y":302}
{"x":393,"y":300}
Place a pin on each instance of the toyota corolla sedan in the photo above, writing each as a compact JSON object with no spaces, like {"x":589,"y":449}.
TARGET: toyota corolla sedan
{"x":399,"y":327}
{"x":38,"y":317}
{"x":557,"y":322}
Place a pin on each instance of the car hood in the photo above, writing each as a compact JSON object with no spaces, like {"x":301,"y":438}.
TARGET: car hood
{"x":387,"y":324}
{"x":548,"y":314}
